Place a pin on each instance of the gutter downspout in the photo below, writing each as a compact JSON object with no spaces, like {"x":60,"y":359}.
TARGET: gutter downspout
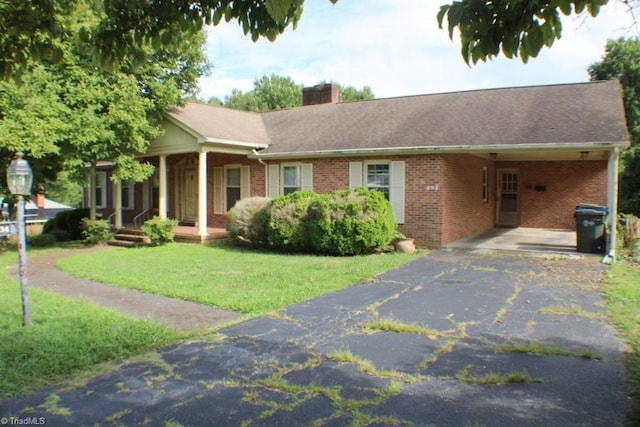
{"x":255,"y":155}
{"x":612,"y":194}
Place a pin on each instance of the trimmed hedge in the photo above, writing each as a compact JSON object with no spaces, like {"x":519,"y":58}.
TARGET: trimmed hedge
{"x":285,"y":220}
{"x":351,"y":222}
{"x":245,"y":221}
{"x":68,"y":223}
{"x":343,"y":222}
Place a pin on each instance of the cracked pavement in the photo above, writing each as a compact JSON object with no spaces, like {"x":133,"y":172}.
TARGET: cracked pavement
{"x":451,"y":338}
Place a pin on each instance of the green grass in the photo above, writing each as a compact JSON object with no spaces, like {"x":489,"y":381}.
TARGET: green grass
{"x":228,"y":277}
{"x":545,"y":350}
{"x":67,"y":336}
{"x":622,"y":293}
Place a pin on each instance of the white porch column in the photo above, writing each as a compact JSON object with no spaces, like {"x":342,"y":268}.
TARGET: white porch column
{"x":118,"y":204}
{"x":162,"y":190}
{"x":202,"y":193}
{"x":612,"y":203}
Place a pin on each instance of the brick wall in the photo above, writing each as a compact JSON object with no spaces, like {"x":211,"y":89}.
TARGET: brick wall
{"x":256,"y":178}
{"x":566,"y":184}
{"x":423,"y":199}
{"x":464,"y":210}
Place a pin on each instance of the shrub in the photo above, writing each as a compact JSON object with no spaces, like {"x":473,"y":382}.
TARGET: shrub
{"x":41,"y":240}
{"x":629,"y":237}
{"x":284,"y":219}
{"x":159,"y":231}
{"x":60,"y":235}
{"x":96,"y":231}
{"x":245,"y":221}
{"x":69,"y":221}
{"x":351,"y":222}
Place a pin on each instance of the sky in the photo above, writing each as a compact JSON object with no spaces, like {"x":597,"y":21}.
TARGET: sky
{"x":396,"y":48}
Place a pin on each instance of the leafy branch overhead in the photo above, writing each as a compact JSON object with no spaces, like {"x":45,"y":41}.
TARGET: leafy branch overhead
{"x":30,"y":30}
{"x":514,"y":27}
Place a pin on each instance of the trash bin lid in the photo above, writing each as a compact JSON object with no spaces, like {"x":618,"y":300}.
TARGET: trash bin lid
{"x":589,"y":207}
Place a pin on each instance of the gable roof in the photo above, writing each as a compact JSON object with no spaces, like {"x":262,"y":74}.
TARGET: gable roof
{"x":213,"y":123}
{"x":535,"y":117}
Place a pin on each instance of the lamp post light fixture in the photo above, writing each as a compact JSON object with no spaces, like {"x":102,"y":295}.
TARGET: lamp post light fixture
{"x":19,"y":181}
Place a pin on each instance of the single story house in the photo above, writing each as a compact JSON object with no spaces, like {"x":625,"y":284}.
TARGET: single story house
{"x":452,"y":164}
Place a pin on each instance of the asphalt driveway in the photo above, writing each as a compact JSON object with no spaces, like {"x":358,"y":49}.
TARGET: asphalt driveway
{"x":451,"y":339}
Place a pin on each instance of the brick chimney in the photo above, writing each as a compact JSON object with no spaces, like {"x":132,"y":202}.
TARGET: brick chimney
{"x":321,"y":94}
{"x":38,"y":199}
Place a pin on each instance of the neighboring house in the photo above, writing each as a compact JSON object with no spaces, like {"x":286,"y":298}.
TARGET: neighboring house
{"x":39,"y":208}
{"x":452,"y":165}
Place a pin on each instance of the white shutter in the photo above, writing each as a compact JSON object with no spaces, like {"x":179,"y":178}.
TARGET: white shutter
{"x":355,"y":174}
{"x":245,"y":183}
{"x":218,"y":190}
{"x":396,"y":195}
{"x":306,"y":181}
{"x":273,"y":181}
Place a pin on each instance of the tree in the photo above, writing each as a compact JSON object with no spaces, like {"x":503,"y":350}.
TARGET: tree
{"x":276,"y":92}
{"x":622,"y":61}
{"x":351,"y":93}
{"x":269,"y":93}
{"x":513,"y":27}
{"x":84,"y":114}
{"x":31,"y":29}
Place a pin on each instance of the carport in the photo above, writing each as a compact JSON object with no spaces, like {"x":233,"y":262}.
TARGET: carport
{"x":535,"y":241}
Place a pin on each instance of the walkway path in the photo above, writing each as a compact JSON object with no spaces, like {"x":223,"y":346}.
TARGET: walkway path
{"x":184,"y":315}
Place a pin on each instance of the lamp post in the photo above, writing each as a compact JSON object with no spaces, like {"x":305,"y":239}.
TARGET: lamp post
{"x":19,"y":180}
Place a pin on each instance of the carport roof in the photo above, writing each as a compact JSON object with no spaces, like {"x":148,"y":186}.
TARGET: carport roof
{"x":533,"y":118}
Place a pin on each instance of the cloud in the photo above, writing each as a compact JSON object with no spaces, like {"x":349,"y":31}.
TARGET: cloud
{"x":397,"y":49}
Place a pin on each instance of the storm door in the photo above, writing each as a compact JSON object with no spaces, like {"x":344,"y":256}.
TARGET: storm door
{"x":508,"y":209}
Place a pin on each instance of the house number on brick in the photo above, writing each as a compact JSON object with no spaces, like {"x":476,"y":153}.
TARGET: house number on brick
{"x":432,"y":187}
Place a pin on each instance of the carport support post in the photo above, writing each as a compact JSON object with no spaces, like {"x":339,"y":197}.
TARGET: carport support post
{"x":612,"y":195}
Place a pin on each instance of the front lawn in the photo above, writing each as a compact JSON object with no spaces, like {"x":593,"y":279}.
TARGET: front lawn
{"x":622,"y":292}
{"x":228,"y":277}
{"x":67,"y":335}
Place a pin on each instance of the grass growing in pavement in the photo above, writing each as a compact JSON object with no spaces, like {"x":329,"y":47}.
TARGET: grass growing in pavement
{"x":545,"y":350}
{"x":622,"y":292}
{"x":67,"y":335}
{"x":225,"y":276}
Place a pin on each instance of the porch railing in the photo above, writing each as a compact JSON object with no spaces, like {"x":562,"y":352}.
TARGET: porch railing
{"x":140,"y":218}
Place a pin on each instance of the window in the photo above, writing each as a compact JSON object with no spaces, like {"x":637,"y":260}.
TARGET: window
{"x":287,"y":178}
{"x":101,"y":190}
{"x":485,"y":184}
{"x":385,"y":176}
{"x":230,"y":184}
{"x":233,"y":186}
{"x":290,"y":179}
{"x":127,"y":195}
{"x":378,"y":178}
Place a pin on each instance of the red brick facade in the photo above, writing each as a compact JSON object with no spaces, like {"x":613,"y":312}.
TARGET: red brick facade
{"x":443,"y":193}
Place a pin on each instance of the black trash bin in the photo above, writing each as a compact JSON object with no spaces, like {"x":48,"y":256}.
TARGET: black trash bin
{"x":590,"y":228}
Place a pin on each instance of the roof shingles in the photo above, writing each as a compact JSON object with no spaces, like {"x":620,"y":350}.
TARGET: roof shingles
{"x":546,"y":115}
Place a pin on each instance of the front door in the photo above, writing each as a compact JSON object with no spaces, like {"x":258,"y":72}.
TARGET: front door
{"x":189,"y":211}
{"x":508,"y":209}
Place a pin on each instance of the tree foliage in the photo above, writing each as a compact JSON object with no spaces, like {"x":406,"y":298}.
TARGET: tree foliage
{"x":31,"y":29}
{"x":66,"y":113}
{"x":275,"y":92}
{"x":621,"y":61}
{"x":511,"y":27}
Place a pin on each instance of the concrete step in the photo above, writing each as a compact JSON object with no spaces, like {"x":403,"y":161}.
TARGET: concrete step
{"x":129,"y":238}
{"x":122,"y":243}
